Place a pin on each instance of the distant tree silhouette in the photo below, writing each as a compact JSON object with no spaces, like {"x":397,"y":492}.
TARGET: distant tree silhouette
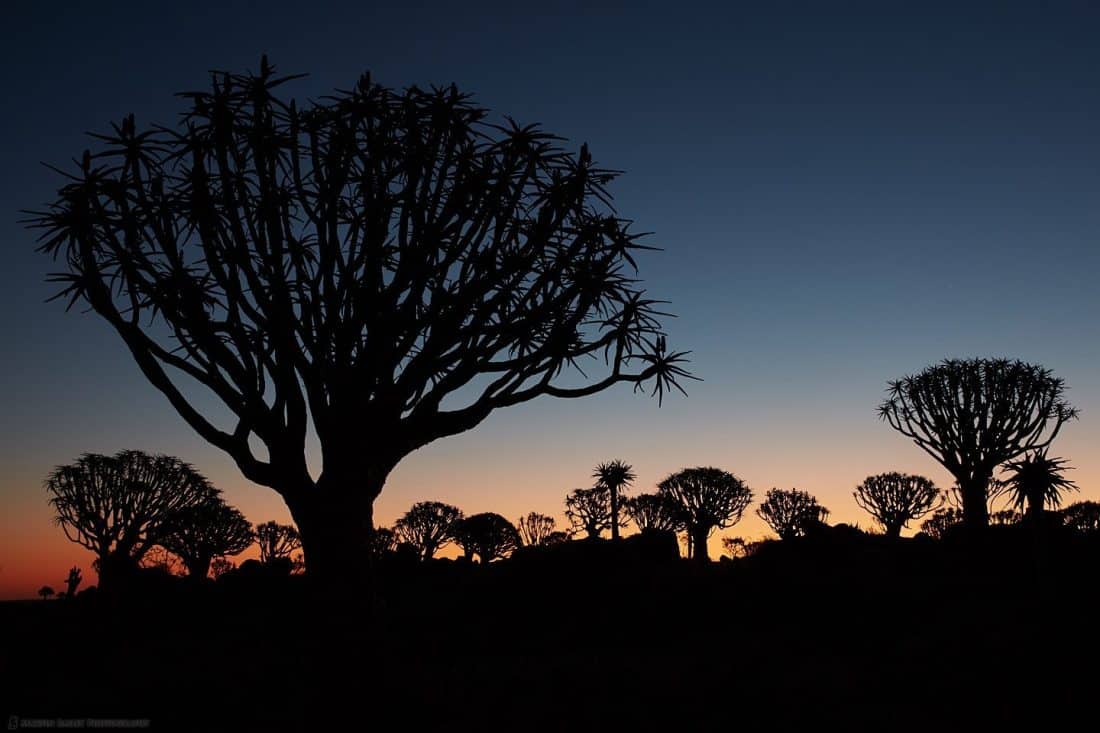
{"x":735,"y":547}
{"x":116,"y":505}
{"x":197,"y":534}
{"x":556,"y":538}
{"x":706,"y":499}
{"x":358,"y":264}
{"x":45,"y":591}
{"x":383,"y":542}
{"x":427,"y":526}
{"x":158,"y":558}
{"x":1005,"y":518}
{"x":940,"y":522}
{"x":488,"y":535}
{"x":654,"y":512}
{"x":1082,"y":516}
{"x":72,"y":581}
{"x":895,"y":499}
{"x":589,"y":510}
{"x":614,"y":476}
{"x":219,"y":566}
{"x":535,"y":528}
{"x":276,"y":541}
{"x":1036,"y":481}
{"x":790,"y":513}
{"x":974,"y":415}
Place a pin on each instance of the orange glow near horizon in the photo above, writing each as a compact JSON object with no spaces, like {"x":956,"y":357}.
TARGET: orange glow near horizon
{"x":526,"y":460}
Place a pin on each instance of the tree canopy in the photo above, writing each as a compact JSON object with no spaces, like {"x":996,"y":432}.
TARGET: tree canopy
{"x":705,"y":499}
{"x":791,"y":513}
{"x":973,"y":415}
{"x":427,"y":526}
{"x":895,"y":499}
{"x":385,"y":267}
{"x":199,"y":533}
{"x":116,"y":506}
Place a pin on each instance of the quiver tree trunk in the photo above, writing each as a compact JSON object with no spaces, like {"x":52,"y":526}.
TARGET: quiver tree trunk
{"x":699,"y":544}
{"x":335,"y":519}
{"x":974,"y":500}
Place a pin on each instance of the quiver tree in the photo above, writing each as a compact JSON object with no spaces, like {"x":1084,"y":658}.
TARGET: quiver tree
{"x":72,"y":581}
{"x":706,"y":499}
{"x":427,"y":526}
{"x":535,"y":528}
{"x":46,"y":592}
{"x":383,"y":542}
{"x":895,"y":499}
{"x":197,"y":534}
{"x":1036,"y":481}
{"x":116,"y":506}
{"x":277,"y":541}
{"x":589,"y":511}
{"x":974,"y":415}
{"x":791,"y":513}
{"x":654,"y":512}
{"x":385,"y":267}
{"x":487,"y":535}
{"x":940,"y":522}
{"x":615,"y":477}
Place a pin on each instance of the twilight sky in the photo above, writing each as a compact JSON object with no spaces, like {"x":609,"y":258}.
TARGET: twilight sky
{"x":843,"y":196}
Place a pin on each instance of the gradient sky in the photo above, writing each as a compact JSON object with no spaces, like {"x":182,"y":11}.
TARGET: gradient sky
{"x":844,"y":195}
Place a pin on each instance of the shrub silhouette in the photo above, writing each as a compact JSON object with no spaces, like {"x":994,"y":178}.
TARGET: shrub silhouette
{"x":197,"y":534}
{"x":535,"y":529}
{"x":655,"y":512}
{"x":589,"y":511}
{"x":706,"y":499}
{"x":487,"y":535}
{"x":1036,"y":481}
{"x":1082,"y":517}
{"x":974,"y":415}
{"x":791,"y":513}
{"x":45,"y":591}
{"x":427,"y":526}
{"x":116,"y":506}
{"x":219,"y":566}
{"x":615,"y":477}
{"x":941,"y":521}
{"x":72,"y":581}
{"x":895,"y":499}
{"x":277,"y":542}
{"x":386,"y":267}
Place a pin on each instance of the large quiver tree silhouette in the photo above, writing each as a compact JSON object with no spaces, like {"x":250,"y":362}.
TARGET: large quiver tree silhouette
{"x":277,"y":541}
{"x":117,"y":506}
{"x":791,"y":513}
{"x":197,"y":534}
{"x":895,"y":499}
{"x":974,"y":415}
{"x":705,"y":499}
{"x":358,"y":262}
{"x":487,"y":535}
{"x":427,"y":526}
{"x":536,"y":529}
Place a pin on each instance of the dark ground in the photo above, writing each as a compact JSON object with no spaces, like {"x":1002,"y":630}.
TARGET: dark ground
{"x":847,"y":630}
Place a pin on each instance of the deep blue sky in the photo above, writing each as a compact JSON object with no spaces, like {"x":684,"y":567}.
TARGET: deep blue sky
{"x":844,"y":193}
